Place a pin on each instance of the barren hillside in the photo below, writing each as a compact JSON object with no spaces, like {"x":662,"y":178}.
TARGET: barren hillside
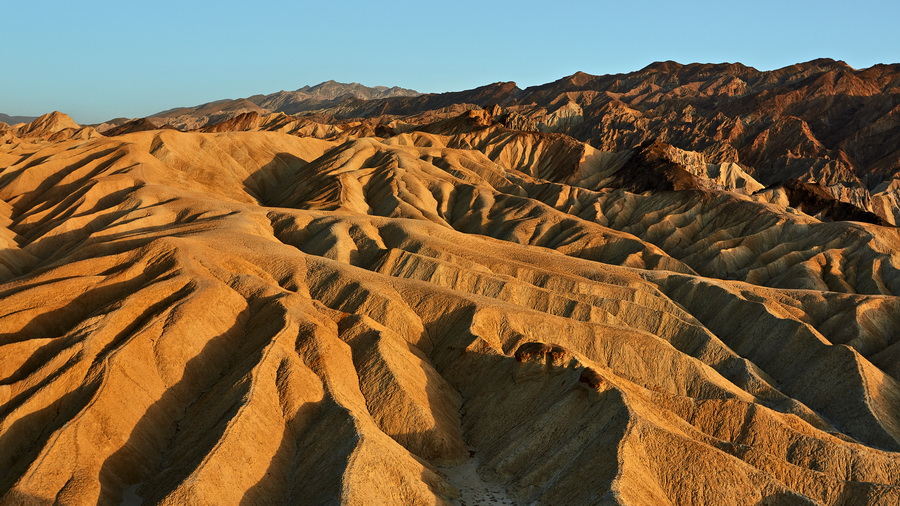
{"x":448,"y":299}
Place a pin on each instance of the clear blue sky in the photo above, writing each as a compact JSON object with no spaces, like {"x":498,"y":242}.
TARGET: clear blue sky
{"x":96,"y":60}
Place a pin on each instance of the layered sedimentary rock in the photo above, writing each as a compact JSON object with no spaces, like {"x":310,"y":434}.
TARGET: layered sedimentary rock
{"x":282,"y":310}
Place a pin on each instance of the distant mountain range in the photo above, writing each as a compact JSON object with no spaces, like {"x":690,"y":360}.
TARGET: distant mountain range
{"x":12,"y":120}
{"x":307,"y":98}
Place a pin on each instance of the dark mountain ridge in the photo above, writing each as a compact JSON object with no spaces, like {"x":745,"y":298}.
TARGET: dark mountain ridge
{"x":326,"y":94}
{"x":12,"y":120}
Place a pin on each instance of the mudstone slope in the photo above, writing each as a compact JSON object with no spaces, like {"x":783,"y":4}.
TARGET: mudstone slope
{"x":444,"y":303}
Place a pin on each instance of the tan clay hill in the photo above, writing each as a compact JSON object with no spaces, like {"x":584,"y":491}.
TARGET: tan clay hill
{"x":434,"y":308}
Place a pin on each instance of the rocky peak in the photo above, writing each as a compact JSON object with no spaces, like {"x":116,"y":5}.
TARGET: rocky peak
{"x":51,"y":122}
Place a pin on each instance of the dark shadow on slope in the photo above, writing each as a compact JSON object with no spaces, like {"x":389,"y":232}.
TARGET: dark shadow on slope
{"x":65,"y":210}
{"x":826,"y":378}
{"x":16,"y":498}
{"x":785,"y":499}
{"x":374,"y":361}
{"x":180,"y":429}
{"x":554,"y":416}
{"x":274,"y":486}
{"x":73,"y":246}
{"x":72,"y":240}
{"x":25,"y":204}
{"x":816,"y":200}
{"x":274,"y":176}
{"x":58,"y":321}
{"x":22,"y":442}
{"x":308,"y":467}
